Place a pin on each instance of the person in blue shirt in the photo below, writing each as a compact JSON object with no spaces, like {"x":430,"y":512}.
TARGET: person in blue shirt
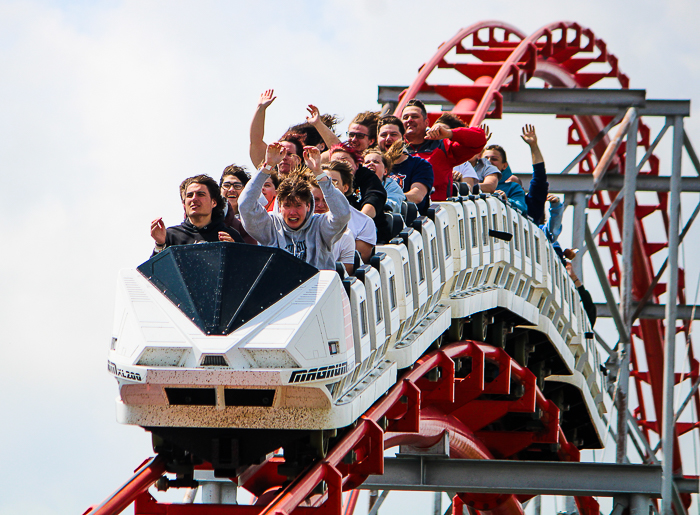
{"x":532,"y":203}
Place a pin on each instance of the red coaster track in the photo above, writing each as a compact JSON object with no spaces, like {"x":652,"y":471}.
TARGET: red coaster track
{"x":444,"y":391}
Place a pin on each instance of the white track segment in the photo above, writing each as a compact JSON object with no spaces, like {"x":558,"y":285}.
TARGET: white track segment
{"x":523,"y":276}
{"x":420,"y":337}
{"x":289,"y":362}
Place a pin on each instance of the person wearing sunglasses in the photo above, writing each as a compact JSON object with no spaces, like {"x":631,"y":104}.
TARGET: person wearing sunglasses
{"x":361,"y":134}
{"x":362,"y":131}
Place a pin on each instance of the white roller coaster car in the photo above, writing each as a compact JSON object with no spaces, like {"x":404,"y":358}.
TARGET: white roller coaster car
{"x":219,"y":340}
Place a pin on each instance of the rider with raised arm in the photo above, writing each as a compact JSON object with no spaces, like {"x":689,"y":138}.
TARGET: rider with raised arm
{"x":539,"y":187}
{"x":362,"y":131}
{"x":291,"y":142}
{"x":296,"y":228}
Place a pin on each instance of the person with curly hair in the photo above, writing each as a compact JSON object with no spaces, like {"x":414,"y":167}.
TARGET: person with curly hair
{"x":295,"y":227}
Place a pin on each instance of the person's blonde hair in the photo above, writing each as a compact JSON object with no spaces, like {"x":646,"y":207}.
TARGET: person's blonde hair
{"x":389,"y":157}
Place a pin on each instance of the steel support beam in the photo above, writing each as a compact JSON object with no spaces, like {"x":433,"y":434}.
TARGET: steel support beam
{"x":583,"y":183}
{"x":579,"y":232}
{"x":374,"y":509}
{"x":598,"y":138}
{"x":668,"y":420}
{"x":572,"y":101}
{"x":686,"y":401}
{"x":629,"y":219}
{"x":639,"y":504}
{"x":691,"y":152}
{"x":647,"y":454}
{"x":650,"y":291}
{"x":621,"y":194}
{"x":605,"y":285}
{"x":608,"y":213}
{"x":655,"y":311}
{"x":604,"y":102}
{"x":437,"y":503}
{"x":521,"y":477}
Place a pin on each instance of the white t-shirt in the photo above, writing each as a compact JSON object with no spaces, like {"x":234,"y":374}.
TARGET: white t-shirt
{"x":467,"y":170}
{"x":344,"y":248}
{"x":362,"y":227}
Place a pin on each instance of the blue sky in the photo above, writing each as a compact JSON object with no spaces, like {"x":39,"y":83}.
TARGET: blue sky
{"x":107,"y":106}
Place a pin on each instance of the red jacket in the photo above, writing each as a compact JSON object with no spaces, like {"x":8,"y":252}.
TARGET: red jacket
{"x":445,"y":154}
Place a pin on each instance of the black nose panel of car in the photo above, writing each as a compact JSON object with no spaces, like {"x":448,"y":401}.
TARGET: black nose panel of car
{"x":221,"y":286}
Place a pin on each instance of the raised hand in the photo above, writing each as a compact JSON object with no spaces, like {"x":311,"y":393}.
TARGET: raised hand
{"x":312,"y":158}
{"x":296,"y":161}
{"x":438,"y":131}
{"x":529,"y":135}
{"x":158,"y":231}
{"x":314,"y":116}
{"x":570,"y":254}
{"x":275,"y":153}
{"x":266,"y":98}
{"x":553,"y":199}
{"x":487,"y":131}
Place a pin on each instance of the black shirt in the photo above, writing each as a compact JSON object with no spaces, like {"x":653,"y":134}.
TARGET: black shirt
{"x":187,"y":233}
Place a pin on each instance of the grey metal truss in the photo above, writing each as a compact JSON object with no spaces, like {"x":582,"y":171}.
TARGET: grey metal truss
{"x":583,"y":183}
{"x":654,"y":311}
{"x":521,"y":477}
{"x":564,"y":101}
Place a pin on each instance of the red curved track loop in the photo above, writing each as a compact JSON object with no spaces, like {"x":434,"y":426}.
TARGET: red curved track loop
{"x":444,"y":392}
{"x":503,"y":59}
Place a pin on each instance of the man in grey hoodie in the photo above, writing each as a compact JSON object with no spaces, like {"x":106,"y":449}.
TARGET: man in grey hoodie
{"x":295,"y":228}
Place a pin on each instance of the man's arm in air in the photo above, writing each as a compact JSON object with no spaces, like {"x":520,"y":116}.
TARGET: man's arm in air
{"x":539,"y":187}
{"x":257,"y":128}
{"x":159,"y":235}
